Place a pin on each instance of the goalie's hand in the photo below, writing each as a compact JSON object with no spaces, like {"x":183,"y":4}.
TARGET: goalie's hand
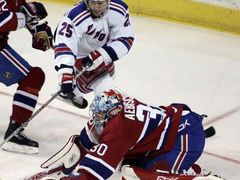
{"x":68,"y":157}
{"x":42,"y":36}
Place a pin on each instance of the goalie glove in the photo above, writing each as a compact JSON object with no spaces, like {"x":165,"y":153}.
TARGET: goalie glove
{"x":68,"y":157}
{"x":41,"y":36}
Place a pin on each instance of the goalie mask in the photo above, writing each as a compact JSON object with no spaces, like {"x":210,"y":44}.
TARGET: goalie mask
{"x":97,"y":7}
{"x":105,"y":106}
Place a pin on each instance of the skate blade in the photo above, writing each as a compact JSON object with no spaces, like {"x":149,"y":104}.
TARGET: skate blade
{"x":16,"y":148}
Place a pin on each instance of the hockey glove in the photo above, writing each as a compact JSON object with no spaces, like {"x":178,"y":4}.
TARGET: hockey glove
{"x":66,"y":81}
{"x":34,"y":12}
{"x":93,"y":61}
{"x":69,"y":156}
{"x":42,"y":36}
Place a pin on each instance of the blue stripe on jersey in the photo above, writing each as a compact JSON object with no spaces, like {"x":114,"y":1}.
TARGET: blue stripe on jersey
{"x":4,"y":16}
{"x":86,"y":142}
{"x":62,"y":49}
{"x":121,"y":3}
{"x":125,"y":42}
{"x":96,"y":166}
{"x":111,"y":52}
{"x":64,"y":53}
{"x":25,"y":100}
{"x":83,"y":19}
{"x":76,"y":10}
{"x":118,"y":6}
{"x":117,"y":10}
{"x":61,"y":45}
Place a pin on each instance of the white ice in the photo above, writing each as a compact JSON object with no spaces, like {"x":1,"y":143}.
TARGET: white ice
{"x":169,"y":62}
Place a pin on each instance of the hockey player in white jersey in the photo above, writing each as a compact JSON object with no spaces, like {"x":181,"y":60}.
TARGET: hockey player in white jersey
{"x":92,"y":35}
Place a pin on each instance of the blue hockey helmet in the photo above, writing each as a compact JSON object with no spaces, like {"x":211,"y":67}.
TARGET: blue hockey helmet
{"x":105,"y":106}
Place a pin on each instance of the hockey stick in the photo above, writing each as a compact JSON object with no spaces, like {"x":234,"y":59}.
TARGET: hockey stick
{"x":38,"y":111}
{"x":209,"y":132}
{"x":55,"y":173}
{"x":33,"y":115}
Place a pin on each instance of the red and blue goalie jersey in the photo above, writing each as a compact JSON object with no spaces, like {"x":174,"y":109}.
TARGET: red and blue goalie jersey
{"x":138,"y":129}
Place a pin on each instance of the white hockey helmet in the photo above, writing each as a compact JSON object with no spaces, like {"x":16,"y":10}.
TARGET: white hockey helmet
{"x":105,"y":106}
{"x":97,"y":7}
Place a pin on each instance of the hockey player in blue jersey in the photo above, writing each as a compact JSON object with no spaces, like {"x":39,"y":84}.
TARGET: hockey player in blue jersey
{"x":93,"y":34}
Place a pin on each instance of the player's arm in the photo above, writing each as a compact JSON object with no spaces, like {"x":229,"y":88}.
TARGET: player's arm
{"x":65,"y":49}
{"x":41,"y":33}
{"x":9,"y":20}
{"x":122,"y":37}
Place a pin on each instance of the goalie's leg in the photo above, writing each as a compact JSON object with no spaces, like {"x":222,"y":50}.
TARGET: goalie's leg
{"x":185,"y":152}
{"x":135,"y":173}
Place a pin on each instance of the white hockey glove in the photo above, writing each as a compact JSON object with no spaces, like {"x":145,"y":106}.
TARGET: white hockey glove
{"x":68,"y":157}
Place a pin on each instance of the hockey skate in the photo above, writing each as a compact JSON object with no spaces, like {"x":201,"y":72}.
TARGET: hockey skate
{"x":20,"y":143}
{"x":72,"y":99}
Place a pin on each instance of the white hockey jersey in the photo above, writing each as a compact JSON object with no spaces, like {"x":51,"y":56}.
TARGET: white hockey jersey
{"x":78,"y":34}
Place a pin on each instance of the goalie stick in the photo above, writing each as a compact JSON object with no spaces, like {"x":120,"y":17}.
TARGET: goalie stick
{"x":54,"y":173}
{"x":37,"y":112}
{"x":209,"y":132}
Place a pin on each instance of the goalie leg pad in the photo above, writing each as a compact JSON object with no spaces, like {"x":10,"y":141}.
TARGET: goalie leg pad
{"x":135,"y":173}
{"x":187,"y":150}
{"x":69,"y":156}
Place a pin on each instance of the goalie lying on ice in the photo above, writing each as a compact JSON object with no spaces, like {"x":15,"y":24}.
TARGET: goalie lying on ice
{"x":164,"y":139}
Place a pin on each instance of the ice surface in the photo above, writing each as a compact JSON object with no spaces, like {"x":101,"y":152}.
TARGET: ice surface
{"x":168,"y":63}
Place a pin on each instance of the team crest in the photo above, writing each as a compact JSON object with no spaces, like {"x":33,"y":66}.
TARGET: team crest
{"x":7,"y":75}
